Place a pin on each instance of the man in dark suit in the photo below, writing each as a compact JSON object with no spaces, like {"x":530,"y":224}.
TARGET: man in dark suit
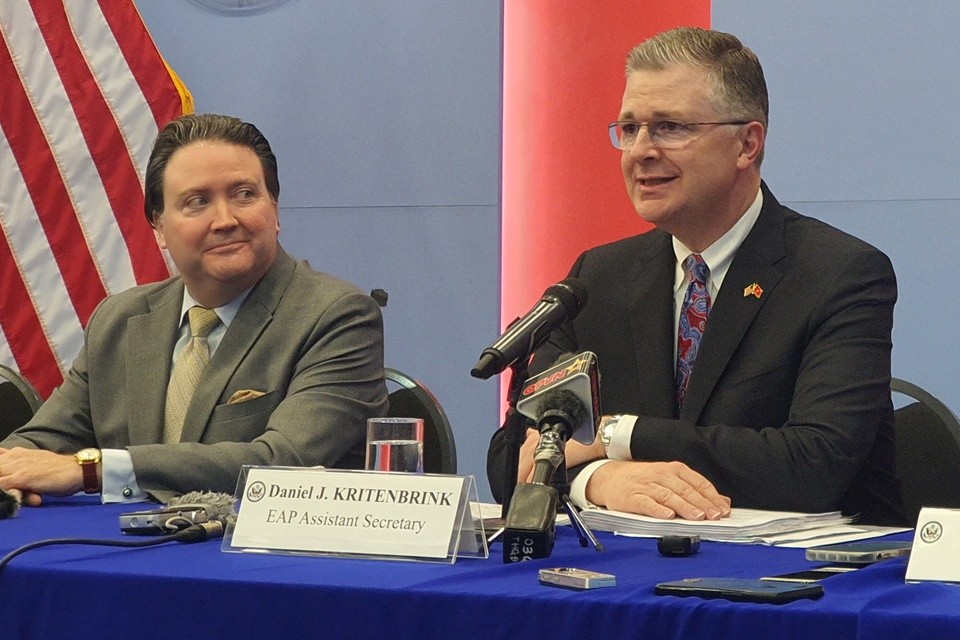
{"x":762,"y":380}
{"x":295,"y":356}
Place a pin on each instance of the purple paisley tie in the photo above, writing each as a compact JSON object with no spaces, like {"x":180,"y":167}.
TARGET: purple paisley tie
{"x":693,"y":322}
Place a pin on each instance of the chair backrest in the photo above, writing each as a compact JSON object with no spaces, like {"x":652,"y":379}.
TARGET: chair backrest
{"x":18,"y":401}
{"x":928,"y":451}
{"x":414,"y":400}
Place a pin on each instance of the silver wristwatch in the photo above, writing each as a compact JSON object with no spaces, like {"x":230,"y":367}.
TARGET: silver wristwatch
{"x":607,"y":426}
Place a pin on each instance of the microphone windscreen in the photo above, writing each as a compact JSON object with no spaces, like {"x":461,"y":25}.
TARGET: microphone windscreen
{"x":9,"y":505}
{"x":566,"y":402}
{"x":218,"y":506}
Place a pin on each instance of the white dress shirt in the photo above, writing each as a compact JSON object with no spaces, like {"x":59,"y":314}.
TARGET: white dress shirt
{"x":718,"y":257}
{"x":119,"y":481}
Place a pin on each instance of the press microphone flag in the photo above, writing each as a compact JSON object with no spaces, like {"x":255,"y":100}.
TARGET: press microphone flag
{"x":578,"y":374}
{"x":560,"y":302}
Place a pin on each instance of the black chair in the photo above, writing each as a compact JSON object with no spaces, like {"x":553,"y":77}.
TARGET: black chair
{"x":414,"y":400}
{"x":928,"y":451}
{"x":18,"y":401}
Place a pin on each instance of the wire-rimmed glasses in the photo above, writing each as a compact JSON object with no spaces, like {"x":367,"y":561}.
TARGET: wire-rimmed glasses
{"x":665,"y":134}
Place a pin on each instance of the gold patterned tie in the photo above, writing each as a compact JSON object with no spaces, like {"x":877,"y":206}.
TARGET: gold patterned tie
{"x":187,"y":371}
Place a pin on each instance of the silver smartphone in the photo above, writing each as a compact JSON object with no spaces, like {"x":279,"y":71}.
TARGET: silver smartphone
{"x":860,"y":552}
{"x":810,"y":575}
{"x":576,"y":578}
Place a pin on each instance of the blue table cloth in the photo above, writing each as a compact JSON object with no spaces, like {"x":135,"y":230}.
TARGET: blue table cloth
{"x":196,"y":590}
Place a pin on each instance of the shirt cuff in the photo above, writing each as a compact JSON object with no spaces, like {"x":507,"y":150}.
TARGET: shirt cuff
{"x":578,"y":488}
{"x":619,"y":448}
{"x":119,"y":481}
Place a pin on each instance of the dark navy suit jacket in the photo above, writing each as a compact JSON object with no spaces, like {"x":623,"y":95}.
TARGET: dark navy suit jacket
{"x":788,"y":407}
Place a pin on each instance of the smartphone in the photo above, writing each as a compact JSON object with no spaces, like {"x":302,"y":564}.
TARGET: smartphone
{"x":810,"y":575}
{"x":741,"y":589}
{"x":860,"y":552}
{"x":576,"y":578}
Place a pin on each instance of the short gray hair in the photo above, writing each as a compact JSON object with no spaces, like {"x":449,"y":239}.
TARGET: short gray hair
{"x":739,"y":88}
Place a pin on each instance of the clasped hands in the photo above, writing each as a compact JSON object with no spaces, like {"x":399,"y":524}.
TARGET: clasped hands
{"x":28,"y":473}
{"x":656,"y":489}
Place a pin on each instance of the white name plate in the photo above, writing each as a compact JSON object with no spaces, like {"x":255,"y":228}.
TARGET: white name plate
{"x":337,"y":512}
{"x":935,"y":554}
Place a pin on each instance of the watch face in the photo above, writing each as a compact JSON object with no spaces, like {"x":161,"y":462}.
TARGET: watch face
{"x":88,"y":455}
{"x":607,"y":429}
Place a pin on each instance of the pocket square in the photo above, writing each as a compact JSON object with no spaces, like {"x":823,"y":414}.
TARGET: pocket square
{"x":243,"y":395}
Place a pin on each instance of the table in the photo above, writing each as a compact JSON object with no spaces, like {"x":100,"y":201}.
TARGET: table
{"x":196,"y":590}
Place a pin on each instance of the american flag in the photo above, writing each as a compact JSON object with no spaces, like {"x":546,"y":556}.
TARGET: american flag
{"x":83,"y":93}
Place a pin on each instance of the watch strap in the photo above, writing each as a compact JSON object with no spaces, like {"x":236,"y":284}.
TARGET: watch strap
{"x":88,"y":467}
{"x":91,"y":481}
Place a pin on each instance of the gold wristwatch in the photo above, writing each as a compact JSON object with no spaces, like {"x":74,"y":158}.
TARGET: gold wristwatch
{"x":88,"y":459}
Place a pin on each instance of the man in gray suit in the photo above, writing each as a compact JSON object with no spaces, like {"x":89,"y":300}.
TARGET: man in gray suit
{"x":295,"y":356}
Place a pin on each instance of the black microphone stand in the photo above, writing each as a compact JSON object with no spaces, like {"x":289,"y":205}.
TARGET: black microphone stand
{"x":558,"y":480}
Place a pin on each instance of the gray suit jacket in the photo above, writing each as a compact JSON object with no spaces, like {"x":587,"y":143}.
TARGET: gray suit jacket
{"x":789,"y":405}
{"x":313,"y":344}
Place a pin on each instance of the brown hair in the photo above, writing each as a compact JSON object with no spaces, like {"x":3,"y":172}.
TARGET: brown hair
{"x":204,"y":126}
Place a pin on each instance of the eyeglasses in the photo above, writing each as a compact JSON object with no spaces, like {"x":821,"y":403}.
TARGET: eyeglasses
{"x":664,"y":134}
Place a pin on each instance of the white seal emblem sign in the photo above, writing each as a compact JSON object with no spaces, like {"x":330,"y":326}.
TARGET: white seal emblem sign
{"x":931,"y":531}
{"x":256,"y":491}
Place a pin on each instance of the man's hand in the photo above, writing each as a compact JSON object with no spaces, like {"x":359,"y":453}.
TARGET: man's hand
{"x":33,"y":472}
{"x":575,"y":454}
{"x":657,"y":489}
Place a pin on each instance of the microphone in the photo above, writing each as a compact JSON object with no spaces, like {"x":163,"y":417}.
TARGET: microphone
{"x":9,"y":505}
{"x":578,"y":374}
{"x":191,"y":517}
{"x":220,"y":509}
{"x":530,"y":530}
{"x":560,"y":412}
{"x":209,"y":513}
{"x":560,"y":302}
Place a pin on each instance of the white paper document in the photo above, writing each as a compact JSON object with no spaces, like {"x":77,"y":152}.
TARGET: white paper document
{"x":747,"y":526}
{"x":744,"y":525}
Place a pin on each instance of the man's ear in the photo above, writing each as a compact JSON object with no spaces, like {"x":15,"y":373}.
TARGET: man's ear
{"x":753,"y":136}
{"x":158,"y":233}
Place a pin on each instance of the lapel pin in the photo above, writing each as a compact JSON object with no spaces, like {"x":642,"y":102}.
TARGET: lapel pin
{"x":754,"y":290}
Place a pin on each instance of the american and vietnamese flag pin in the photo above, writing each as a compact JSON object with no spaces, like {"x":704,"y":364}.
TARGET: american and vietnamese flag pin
{"x":754,"y":290}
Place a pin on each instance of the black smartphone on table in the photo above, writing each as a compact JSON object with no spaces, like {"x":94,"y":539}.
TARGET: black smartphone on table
{"x":741,"y":589}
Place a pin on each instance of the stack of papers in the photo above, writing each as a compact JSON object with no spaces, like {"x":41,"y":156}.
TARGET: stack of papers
{"x":749,"y":526}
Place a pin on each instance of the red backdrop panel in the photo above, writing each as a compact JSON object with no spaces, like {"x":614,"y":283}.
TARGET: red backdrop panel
{"x":563,"y":77}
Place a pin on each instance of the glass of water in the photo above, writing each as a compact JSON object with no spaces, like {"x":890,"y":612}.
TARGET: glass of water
{"x":395,"y":444}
